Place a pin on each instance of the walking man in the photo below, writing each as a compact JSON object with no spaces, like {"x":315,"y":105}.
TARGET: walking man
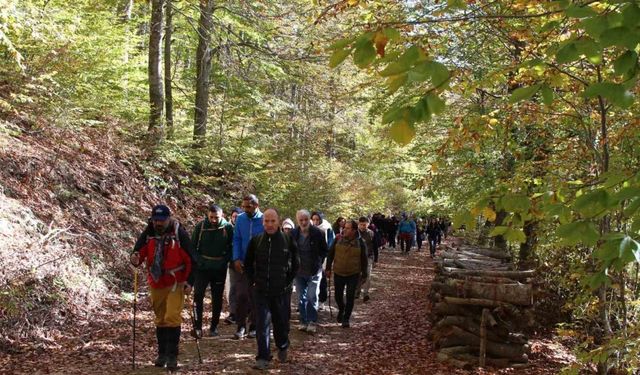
{"x":371,"y":243}
{"x":406,"y":231}
{"x":348,"y":260}
{"x":164,"y":247}
{"x":312,"y":248}
{"x":212,"y":240}
{"x":248,"y":225}
{"x":270,"y":265}
{"x":433,"y":231}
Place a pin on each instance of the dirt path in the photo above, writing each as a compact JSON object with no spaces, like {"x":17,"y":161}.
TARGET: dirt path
{"x":388,"y":336}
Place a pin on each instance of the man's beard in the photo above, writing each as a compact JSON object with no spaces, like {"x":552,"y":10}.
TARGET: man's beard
{"x":160,"y":229}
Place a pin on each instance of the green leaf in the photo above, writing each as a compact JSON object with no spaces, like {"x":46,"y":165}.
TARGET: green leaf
{"x":409,"y":56}
{"x":392,"y":115}
{"x":392,"y":34}
{"x":592,"y":204}
{"x":550,"y":26}
{"x":608,"y":251}
{"x":395,"y":68}
{"x":436,"y":105}
{"x":627,"y":193}
{"x":597,"y":280}
{"x":498,"y":231}
{"x":625,"y":62}
{"x":464,"y":218}
{"x":515,"y":235}
{"x":523,"y":93}
{"x":594,"y":26}
{"x":515,"y":203}
{"x":578,"y":232}
{"x":568,"y":53}
{"x":615,"y":93}
{"x":631,"y":15}
{"x":420,"y":112}
{"x":439,"y":72}
{"x":402,"y":132}
{"x":575,"y":11}
{"x":547,"y":95}
{"x":395,"y":82}
{"x":364,"y":55}
{"x":620,"y":36}
{"x":632,"y":207}
{"x":337,"y":57}
{"x":342,"y":43}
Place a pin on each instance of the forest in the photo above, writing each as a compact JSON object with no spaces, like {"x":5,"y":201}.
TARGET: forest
{"x":516,"y":119}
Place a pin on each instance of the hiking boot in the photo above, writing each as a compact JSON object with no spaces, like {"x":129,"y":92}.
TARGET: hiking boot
{"x":345,"y":323}
{"x":340,"y":315}
{"x":173,"y":340}
{"x":161,"y":360}
{"x":311,"y":328}
{"x":261,"y":364}
{"x":252,"y":334}
{"x":302,"y":327}
{"x":240,"y":333}
{"x":196,"y":333}
{"x":282,"y":355}
{"x":213,"y":332}
{"x":365,"y":298}
{"x":230,"y":319}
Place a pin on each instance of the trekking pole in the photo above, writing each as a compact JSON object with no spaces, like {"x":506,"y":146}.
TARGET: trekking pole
{"x":194,"y":333}
{"x":135,"y":304}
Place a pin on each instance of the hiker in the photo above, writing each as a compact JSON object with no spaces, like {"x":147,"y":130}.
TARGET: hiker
{"x":230,"y":288}
{"x":287,"y":226}
{"x":348,"y":260}
{"x":391,"y":229}
{"x":270,"y":265}
{"x":248,"y":225}
{"x":318,"y":220}
{"x":420,"y":233}
{"x":164,"y":246}
{"x":433,"y":230}
{"x":371,"y":242}
{"x":312,"y":249}
{"x":212,"y":240}
{"x":338,"y":225}
{"x":406,"y":231}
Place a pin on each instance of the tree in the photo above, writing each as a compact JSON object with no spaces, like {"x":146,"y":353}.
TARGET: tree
{"x":203,"y":69}
{"x":156,"y":95}
{"x":167,"y":68}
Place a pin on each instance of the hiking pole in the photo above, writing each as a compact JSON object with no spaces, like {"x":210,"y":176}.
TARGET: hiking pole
{"x":194,"y":333}
{"x":135,"y":309}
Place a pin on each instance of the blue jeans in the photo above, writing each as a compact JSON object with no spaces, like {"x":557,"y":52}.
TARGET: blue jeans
{"x":308,"y":288}
{"x":276,"y":309}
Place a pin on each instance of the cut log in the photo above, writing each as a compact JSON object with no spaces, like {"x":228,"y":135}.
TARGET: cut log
{"x":457,"y":336}
{"x":478,"y":302}
{"x":515,"y":293}
{"x":516,"y":275}
{"x":443,"y":308}
{"x":442,"y":357}
{"x":497,"y":254}
{"x":471,"y":264}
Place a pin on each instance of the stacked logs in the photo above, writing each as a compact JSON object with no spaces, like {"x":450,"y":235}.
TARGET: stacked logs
{"x":480,"y":302}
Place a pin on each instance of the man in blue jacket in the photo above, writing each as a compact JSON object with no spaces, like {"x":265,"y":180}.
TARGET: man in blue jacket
{"x":248,"y":225}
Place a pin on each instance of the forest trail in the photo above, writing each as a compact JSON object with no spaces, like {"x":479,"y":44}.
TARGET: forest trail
{"x":389,"y":335}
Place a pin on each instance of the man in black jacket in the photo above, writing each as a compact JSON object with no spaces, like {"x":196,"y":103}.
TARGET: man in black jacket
{"x":271,"y":264}
{"x":312,"y":247}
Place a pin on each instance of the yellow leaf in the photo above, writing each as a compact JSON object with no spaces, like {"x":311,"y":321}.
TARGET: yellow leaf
{"x":493,"y":121}
{"x":489,"y":213}
{"x":402,"y":132}
{"x":353,"y":2}
{"x":380,"y":41}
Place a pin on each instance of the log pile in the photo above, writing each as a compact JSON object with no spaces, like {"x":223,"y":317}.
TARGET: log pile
{"x":480,"y":303}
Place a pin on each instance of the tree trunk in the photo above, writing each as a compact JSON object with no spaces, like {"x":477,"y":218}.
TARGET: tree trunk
{"x":167,"y":69}
{"x":203,"y":68}
{"x":156,"y":96}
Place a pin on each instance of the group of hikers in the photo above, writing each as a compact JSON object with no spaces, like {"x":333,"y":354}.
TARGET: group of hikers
{"x":263,"y":257}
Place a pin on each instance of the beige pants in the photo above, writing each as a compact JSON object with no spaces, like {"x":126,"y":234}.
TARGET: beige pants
{"x":167,"y":306}
{"x":367,"y":282}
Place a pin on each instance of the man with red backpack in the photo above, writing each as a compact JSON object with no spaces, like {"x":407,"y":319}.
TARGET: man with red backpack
{"x":165,"y":248}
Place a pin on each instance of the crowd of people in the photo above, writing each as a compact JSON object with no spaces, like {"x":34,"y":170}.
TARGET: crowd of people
{"x":264,"y":258}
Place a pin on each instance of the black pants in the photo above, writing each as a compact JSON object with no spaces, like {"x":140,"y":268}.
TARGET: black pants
{"x":432,"y":243}
{"x":405,"y":242}
{"x":269,"y":310}
{"x":419,"y":240}
{"x":204,"y":278}
{"x":391,"y":237}
{"x":244,"y":301}
{"x":351,"y":282}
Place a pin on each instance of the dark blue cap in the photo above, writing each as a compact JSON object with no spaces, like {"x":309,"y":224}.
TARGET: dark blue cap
{"x":160,"y":212}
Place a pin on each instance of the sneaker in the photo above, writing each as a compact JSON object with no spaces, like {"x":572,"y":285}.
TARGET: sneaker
{"x":252,"y":334}
{"x":261,"y":364}
{"x":311,"y":328}
{"x":282,"y":355}
{"x":340,"y":315}
{"x":172,"y":363}
{"x":302,"y":327}
{"x":196,"y":333}
{"x":213,"y":332}
{"x":345,"y":323}
{"x":365,"y":298}
{"x":230,"y":319}
{"x":240,"y":334}
{"x":160,"y":361}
